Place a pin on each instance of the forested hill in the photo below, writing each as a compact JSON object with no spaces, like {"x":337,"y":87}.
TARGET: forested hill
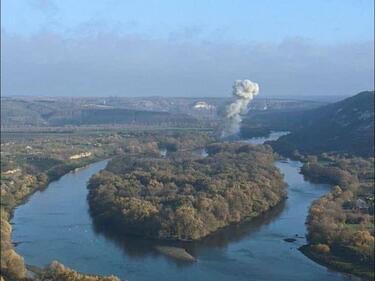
{"x":345,"y":126}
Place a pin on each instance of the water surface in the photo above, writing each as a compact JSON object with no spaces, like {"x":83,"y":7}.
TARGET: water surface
{"x":55,"y":225}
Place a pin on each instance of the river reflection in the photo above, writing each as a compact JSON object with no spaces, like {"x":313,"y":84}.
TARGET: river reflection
{"x":139,"y":247}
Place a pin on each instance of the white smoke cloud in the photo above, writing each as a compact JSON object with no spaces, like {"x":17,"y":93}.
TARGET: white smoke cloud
{"x":243,"y":92}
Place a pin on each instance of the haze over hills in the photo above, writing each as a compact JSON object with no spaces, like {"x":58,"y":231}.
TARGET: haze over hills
{"x":60,"y":111}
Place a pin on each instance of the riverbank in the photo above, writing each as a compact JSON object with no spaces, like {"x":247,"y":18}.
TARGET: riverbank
{"x":220,"y":256}
{"x":336,"y":263}
{"x":63,"y":170}
{"x":340,"y":224}
{"x":58,"y":272}
{"x":12,"y":264}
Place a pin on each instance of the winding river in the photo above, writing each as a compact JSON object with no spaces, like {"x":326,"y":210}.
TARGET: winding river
{"x":55,"y":225}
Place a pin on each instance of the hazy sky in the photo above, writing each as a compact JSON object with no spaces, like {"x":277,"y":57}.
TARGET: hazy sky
{"x":186,"y":48}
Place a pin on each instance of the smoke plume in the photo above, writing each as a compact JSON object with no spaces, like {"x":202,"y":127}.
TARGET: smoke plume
{"x":243,"y":92}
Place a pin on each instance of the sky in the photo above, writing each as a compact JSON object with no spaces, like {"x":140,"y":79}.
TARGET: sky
{"x":186,"y":48}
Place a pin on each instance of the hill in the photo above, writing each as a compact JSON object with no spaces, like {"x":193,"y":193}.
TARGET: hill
{"x":345,"y":127}
{"x":18,"y":112}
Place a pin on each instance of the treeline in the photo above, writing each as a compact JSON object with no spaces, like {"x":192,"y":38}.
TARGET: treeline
{"x":54,"y":272}
{"x":58,"y":272}
{"x":12,"y":264}
{"x":341,"y":223}
{"x":182,"y":197}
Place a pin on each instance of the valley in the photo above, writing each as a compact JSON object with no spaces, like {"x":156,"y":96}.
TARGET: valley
{"x":174,"y":198}
{"x":220,"y":255}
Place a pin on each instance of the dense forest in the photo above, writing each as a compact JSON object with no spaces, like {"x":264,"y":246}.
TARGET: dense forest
{"x":341,"y":223}
{"x":186,"y":198}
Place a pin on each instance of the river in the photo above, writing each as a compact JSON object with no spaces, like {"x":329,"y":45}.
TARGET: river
{"x":55,"y":224}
